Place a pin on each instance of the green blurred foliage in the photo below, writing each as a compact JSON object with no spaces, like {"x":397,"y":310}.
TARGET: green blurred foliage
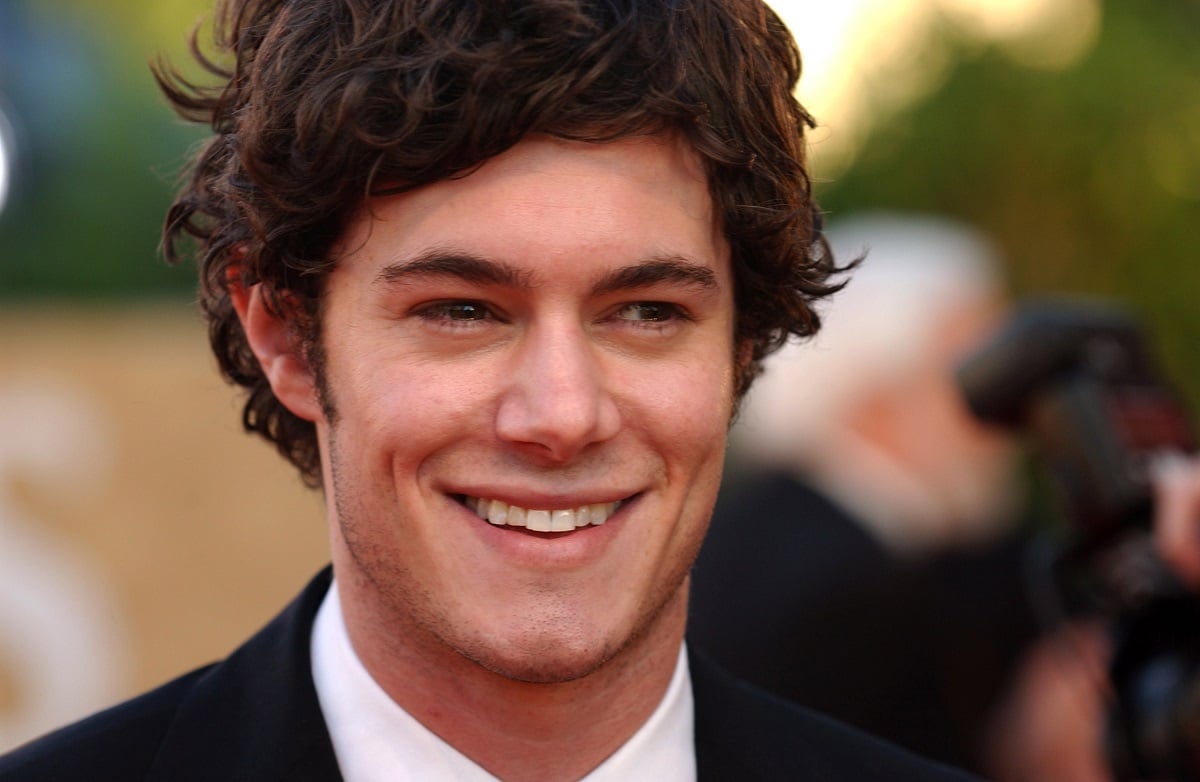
{"x":1087,"y":178}
{"x":100,"y":150}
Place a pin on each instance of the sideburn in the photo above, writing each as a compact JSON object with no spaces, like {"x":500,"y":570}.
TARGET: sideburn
{"x":308,"y":326}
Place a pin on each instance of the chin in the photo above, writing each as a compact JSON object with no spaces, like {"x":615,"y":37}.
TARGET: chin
{"x":555,"y":653}
{"x":549,"y":664}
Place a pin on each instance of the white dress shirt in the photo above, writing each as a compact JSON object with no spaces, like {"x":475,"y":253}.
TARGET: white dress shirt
{"x":375,"y":740}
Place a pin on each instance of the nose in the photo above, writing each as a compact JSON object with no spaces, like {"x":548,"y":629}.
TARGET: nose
{"x":557,"y":400}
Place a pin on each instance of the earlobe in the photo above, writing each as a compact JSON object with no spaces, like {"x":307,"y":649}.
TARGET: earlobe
{"x":278,"y":351}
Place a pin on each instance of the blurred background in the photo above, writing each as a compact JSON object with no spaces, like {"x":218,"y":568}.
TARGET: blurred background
{"x":142,"y":534}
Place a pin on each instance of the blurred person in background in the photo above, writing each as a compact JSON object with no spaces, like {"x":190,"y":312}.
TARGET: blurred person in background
{"x":865,"y":556}
{"x":869,"y":554}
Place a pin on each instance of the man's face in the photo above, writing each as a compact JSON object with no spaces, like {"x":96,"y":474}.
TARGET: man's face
{"x":553,"y":332}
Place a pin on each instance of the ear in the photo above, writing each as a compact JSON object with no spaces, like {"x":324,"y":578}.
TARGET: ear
{"x":278,"y":351}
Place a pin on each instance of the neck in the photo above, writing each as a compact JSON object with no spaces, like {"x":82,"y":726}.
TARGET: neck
{"x":518,"y":730}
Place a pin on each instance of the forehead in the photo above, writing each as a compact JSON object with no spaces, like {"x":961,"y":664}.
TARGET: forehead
{"x":550,"y":198}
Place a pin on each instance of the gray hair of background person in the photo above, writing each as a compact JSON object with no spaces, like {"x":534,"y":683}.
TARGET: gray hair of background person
{"x":917,"y":272}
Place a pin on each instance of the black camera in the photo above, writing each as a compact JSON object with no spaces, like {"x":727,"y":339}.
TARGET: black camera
{"x":1078,"y":379}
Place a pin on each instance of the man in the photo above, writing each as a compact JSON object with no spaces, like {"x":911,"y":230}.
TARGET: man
{"x":494,"y":276}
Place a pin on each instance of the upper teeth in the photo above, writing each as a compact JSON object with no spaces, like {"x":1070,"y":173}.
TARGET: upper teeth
{"x":563,"y":520}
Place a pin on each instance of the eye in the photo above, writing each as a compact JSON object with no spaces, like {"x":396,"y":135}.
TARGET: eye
{"x":462,"y":310}
{"x":650,"y":312}
{"x":454,"y":313}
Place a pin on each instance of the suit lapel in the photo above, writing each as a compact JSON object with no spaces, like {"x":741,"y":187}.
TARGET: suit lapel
{"x":255,"y":716}
{"x":717,"y":755}
{"x":742,"y":733}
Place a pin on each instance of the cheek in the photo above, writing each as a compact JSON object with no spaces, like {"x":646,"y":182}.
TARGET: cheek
{"x":689,"y":412}
{"x":410,"y":393}
{"x":393,"y":413}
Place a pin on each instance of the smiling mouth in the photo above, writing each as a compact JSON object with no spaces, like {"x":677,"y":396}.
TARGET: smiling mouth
{"x":563,"y":520}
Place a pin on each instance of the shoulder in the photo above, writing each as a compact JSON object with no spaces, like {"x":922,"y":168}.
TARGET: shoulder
{"x":254,"y":715}
{"x":746,"y":733}
{"x":118,"y":743}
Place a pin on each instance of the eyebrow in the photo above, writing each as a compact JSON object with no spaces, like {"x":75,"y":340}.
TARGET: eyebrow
{"x":455,"y":264}
{"x":473,"y":268}
{"x":671,"y":269}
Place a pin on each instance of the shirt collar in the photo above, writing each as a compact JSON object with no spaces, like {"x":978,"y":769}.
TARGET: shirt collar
{"x":375,"y":740}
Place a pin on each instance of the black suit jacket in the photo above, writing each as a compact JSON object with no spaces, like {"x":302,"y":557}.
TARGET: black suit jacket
{"x":255,"y":716}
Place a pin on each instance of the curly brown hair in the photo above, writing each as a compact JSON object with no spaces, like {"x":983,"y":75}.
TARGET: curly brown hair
{"x":324,"y":100}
